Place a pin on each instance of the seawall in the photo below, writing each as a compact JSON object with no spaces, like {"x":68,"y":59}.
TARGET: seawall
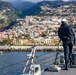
{"x":28,"y":48}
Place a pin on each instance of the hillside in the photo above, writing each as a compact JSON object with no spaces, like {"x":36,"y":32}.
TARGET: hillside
{"x":36,"y":9}
{"x":22,"y":5}
{"x":4,"y":5}
{"x":7,"y":14}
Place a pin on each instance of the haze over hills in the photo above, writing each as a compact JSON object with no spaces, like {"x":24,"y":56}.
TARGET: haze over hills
{"x":22,"y":5}
{"x":36,"y":9}
{"x":39,"y":0}
{"x":30,"y":8}
{"x":4,"y":5}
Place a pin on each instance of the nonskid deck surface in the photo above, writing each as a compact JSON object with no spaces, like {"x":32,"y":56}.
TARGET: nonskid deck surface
{"x":71,"y":71}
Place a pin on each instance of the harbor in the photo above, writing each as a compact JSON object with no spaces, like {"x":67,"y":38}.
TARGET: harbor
{"x":33,"y":34}
{"x":14,"y":62}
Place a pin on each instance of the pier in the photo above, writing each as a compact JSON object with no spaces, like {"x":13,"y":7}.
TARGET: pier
{"x":28,"y":48}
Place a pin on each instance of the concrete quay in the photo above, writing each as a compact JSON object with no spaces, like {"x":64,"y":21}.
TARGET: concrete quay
{"x":28,"y":48}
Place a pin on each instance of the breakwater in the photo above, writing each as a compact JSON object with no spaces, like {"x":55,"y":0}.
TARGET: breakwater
{"x":28,"y":48}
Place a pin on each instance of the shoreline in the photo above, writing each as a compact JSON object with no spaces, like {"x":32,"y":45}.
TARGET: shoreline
{"x":28,"y":48}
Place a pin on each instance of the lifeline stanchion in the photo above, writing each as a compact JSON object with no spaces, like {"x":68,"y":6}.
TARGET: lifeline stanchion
{"x":54,"y":67}
{"x":28,"y":61}
{"x":55,"y":62}
{"x":35,"y":69}
{"x":32,"y":61}
{"x":31,"y":56}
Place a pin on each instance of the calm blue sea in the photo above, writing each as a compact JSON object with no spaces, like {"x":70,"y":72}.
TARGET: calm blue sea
{"x":12,"y":63}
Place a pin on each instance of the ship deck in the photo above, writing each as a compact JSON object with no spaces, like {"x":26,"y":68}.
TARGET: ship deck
{"x":71,"y":71}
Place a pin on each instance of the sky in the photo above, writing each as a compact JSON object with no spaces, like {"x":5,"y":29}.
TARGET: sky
{"x":25,"y":0}
{"x":33,"y":0}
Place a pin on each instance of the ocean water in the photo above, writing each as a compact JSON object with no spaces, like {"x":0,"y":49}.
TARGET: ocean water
{"x":13,"y":63}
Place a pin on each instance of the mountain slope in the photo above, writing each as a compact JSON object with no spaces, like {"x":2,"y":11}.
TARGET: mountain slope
{"x":36,"y":9}
{"x":22,"y":5}
{"x":7,"y":14}
{"x":4,"y":5}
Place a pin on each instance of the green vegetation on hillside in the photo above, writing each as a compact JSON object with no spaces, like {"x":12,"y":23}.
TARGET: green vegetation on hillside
{"x":8,"y":13}
{"x":1,"y":21}
{"x":36,"y":9}
{"x":5,"y":5}
{"x":11,"y":16}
